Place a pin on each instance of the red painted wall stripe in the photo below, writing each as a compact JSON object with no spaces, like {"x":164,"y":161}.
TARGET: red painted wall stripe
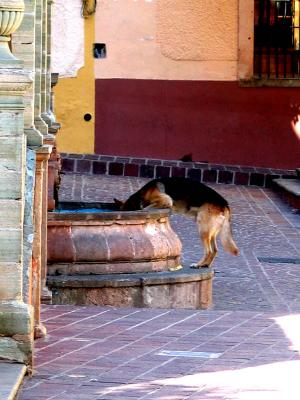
{"x":218,"y":122}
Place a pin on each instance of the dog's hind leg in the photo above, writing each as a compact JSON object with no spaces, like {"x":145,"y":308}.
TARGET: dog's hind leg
{"x":209,"y":221}
{"x":209,"y":252}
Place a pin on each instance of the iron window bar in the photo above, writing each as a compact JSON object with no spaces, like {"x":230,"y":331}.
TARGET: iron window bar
{"x":277,"y":39}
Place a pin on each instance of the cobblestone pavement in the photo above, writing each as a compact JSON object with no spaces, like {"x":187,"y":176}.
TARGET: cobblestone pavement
{"x":247,"y":347}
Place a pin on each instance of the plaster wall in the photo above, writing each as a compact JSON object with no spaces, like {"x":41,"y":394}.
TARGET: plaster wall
{"x":75,"y":97}
{"x":67,"y":38}
{"x":168,"y":39}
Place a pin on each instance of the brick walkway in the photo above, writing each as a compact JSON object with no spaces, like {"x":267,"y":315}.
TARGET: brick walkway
{"x":251,"y":335}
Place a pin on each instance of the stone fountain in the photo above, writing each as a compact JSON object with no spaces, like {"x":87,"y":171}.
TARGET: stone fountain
{"x":98,"y":255}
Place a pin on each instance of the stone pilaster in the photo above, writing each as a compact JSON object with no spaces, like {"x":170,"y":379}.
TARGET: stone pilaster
{"x":16,"y":317}
{"x":47,"y":113}
{"x":46,"y":295}
{"x":54,"y":165}
{"x":28,"y":233}
{"x":24,"y":46}
{"x":39,"y":68}
{"x":40,"y":237}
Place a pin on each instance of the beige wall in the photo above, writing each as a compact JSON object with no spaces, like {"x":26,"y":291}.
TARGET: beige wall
{"x":168,"y":39}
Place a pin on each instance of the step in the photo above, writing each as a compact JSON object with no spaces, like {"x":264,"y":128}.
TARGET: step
{"x":11,"y":378}
{"x":289,"y":190}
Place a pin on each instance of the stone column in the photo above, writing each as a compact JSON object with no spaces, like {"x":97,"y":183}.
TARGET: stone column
{"x":54,"y":164}
{"x":30,"y":42}
{"x":16,"y":317}
{"x":46,"y":294}
{"x":47,"y":113}
{"x":39,"y":26}
{"x":24,"y":46}
{"x":49,"y":139}
{"x":40,"y":239}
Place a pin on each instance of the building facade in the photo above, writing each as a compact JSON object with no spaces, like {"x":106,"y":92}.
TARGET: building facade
{"x":190,"y":77}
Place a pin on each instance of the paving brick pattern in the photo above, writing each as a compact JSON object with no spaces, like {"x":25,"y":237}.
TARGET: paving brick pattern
{"x":252,"y":331}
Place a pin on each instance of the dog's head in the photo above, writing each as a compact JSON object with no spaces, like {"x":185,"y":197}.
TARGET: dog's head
{"x":119,"y":204}
{"x":129,"y":205}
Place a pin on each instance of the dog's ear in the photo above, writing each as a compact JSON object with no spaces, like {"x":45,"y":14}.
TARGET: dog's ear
{"x":161,"y":187}
{"x":119,"y":203}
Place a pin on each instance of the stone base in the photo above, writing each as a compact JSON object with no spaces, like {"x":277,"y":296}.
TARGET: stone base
{"x":40,"y":331}
{"x":16,"y":332}
{"x":46,"y":296}
{"x":179,"y":289}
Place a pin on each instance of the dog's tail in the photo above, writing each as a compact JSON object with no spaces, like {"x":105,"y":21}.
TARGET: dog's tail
{"x":226,"y":235}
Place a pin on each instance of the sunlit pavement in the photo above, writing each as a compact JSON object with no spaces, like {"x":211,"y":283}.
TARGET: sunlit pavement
{"x":246,"y":347}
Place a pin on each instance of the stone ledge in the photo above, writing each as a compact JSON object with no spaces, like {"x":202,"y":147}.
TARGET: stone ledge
{"x":130,"y":280}
{"x":125,"y":267}
{"x":11,"y":378}
{"x":290,"y":185}
{"x":190,"y":289}
{"x":289,"y":190}
{"x":94,"y":218}
{"x":97,"y":164}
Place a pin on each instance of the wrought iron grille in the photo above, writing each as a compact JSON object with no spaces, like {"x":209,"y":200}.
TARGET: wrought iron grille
{"x":277,"y":39}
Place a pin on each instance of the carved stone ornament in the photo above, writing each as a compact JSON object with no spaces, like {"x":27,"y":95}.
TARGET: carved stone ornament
{"x":88,"y":7}
{"x":11,"y":15}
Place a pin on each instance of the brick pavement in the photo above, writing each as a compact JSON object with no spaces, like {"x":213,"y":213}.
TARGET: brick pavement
{"x":252,"y":330}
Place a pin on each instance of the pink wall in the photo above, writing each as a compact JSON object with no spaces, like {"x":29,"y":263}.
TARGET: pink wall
{"x":218,"y":122}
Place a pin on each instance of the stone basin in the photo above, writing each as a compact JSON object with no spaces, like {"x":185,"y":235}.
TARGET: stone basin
{"x":95,"y":238}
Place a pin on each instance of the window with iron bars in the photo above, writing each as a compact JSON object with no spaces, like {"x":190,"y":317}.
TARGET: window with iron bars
{"x":277,"y":39}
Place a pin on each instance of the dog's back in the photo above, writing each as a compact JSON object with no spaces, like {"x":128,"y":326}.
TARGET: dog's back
{"x":187,"y":193}
{"x":191,"y":194}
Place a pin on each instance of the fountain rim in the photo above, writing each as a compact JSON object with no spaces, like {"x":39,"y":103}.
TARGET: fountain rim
{"x":115,"y":214}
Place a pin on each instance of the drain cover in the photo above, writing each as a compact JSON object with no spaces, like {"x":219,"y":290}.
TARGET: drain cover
{"x":279,"y":260}
{"x":198,"y":354}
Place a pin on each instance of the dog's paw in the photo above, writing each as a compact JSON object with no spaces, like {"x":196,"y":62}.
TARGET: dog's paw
{"x":197,"y":266}
{"x":175,"y":268}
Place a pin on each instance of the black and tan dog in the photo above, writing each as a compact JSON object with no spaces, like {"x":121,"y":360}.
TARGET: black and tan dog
{"x":192,"y":198}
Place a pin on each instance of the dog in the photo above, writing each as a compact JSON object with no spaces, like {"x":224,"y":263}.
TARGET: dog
{"x":191,"y":198}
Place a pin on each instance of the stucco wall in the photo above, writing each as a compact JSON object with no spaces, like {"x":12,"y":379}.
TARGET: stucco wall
{"x":67,"y":38}
{"x":75,"y":97}
{"x":168,"y":39}
{"x":197,"y":30}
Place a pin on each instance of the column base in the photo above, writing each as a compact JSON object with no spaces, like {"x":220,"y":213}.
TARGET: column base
{"x":40,"y":331}
{"x":16,"y":332}
{"x":46,"y":296}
